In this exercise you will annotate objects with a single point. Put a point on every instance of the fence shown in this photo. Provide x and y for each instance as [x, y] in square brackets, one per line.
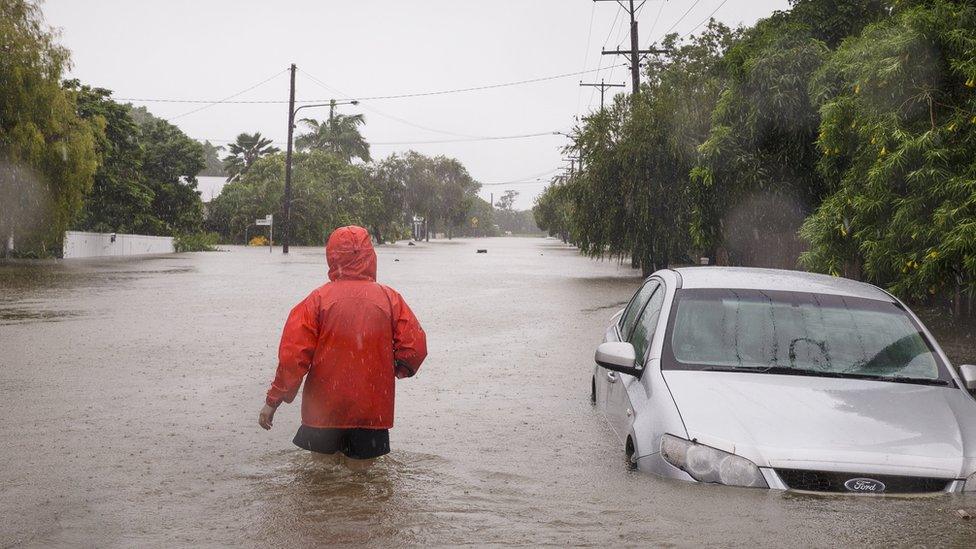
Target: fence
[79, 244]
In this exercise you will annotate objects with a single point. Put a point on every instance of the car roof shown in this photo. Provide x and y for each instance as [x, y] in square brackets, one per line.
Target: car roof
[777, 279]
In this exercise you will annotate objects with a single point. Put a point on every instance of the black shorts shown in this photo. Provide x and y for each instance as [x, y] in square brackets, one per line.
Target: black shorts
[354, 443]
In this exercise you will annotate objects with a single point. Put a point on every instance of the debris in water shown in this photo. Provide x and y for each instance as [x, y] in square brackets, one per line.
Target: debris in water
[411, 243]
[482, 251]
[963, 514]
[396, 259]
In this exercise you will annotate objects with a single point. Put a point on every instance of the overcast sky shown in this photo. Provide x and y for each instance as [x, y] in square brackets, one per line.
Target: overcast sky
[210, 49]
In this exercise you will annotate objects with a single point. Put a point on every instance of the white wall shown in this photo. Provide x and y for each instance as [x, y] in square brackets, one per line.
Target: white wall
[79, 244]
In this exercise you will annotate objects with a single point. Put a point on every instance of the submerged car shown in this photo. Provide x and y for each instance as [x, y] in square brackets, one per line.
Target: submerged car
[785, 380]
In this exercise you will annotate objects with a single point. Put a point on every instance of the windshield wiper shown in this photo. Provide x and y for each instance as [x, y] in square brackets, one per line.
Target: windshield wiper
[784, 370]
[915, 380]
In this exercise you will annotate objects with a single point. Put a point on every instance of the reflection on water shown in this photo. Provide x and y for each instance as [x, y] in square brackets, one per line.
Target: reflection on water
[131, 389]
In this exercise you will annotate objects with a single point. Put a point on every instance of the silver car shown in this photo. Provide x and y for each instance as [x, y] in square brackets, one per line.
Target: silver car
[785, 380]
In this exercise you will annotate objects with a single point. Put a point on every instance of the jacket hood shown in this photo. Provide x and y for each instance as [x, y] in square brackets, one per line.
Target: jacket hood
[350, 254]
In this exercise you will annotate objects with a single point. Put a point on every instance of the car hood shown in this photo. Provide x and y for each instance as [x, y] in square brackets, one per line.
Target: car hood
[830, 424]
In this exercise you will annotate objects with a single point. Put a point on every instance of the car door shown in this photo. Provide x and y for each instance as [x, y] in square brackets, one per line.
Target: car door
[603, 377]
[620, 409]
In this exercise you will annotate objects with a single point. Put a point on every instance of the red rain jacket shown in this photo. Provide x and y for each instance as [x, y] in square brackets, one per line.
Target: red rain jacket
[352, 337]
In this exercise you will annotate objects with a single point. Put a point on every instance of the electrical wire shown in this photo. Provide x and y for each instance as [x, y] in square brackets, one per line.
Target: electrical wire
[421, 142]
[229, 97]
[374, 110]
[613, 25]
[464, 140]
[706, 19]
[680, 19]
[589, 35]
[227, 100]
[523, 180]
[656, 19]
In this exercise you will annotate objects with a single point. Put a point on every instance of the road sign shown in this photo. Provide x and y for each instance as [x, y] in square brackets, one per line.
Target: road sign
[268, 221]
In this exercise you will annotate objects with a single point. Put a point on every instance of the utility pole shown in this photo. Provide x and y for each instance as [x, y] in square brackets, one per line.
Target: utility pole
[634, 52]
[286, 201]
[572, 163]
[603, 88]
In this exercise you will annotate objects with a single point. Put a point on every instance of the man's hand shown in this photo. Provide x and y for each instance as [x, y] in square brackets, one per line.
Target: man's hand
[266, 417]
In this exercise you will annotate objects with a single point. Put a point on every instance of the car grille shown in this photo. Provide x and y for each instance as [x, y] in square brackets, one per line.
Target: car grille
[823, 481]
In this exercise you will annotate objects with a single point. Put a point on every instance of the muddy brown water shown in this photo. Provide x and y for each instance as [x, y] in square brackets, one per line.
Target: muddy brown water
[131, 389]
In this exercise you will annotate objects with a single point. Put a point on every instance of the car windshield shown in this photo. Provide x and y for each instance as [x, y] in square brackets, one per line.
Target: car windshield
[799, 333]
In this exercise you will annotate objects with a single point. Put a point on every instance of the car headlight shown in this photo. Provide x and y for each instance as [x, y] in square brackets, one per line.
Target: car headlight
[707, 464]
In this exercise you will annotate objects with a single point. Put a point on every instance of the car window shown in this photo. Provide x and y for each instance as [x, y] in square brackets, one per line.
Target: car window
[636, 305]
[813, 333]
[645, 327]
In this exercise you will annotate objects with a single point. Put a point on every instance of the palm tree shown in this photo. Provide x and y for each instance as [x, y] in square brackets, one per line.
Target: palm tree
[246, 151]
[339, 134]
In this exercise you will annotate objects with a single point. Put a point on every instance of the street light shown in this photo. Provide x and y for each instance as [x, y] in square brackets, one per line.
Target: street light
[291, 130]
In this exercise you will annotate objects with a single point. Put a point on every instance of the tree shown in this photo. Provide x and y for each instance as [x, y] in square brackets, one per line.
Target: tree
[553, 209]
[171, 162]
[455, 192]
[897, 140]
[631, 198]
[214, 166]
[47, 151]
[146, 179]
[339, 134]
[757, 178]
[119, 200]
[245, 151]
[385, 202]
[327, 193]
[507, 200]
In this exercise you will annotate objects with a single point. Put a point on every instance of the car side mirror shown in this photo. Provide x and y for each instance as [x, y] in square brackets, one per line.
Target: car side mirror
[618, 356]
[968, 374]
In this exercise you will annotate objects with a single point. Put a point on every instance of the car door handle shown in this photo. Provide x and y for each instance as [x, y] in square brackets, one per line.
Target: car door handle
[612, 377]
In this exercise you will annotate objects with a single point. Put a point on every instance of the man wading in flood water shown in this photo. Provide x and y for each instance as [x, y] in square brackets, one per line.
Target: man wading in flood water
[353, 338]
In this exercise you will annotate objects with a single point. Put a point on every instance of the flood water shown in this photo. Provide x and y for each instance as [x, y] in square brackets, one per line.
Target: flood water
[131, 390]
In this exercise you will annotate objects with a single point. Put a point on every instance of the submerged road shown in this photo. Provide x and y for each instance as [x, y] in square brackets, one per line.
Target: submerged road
[130, 391]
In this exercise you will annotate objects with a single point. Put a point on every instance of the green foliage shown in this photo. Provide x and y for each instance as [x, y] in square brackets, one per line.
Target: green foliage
[211, 156]
[329, 192]
[757, 176]
[553, 210]
[171, 162]
[196, 242]
[119, 200]
[439, 190]
[245, 151]
[631, 200]
[898, 138]
[339, 135]
[47, 151]
[145, 183]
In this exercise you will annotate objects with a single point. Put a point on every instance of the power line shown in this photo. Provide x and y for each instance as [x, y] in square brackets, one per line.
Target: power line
[227, 100]
[421, 142]
[523, 180]
[586, 52]
[229, 97]
[656, 19]
[706, 19]
[387, 115]
[680, 19]
[634, 53]
[465, 140]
